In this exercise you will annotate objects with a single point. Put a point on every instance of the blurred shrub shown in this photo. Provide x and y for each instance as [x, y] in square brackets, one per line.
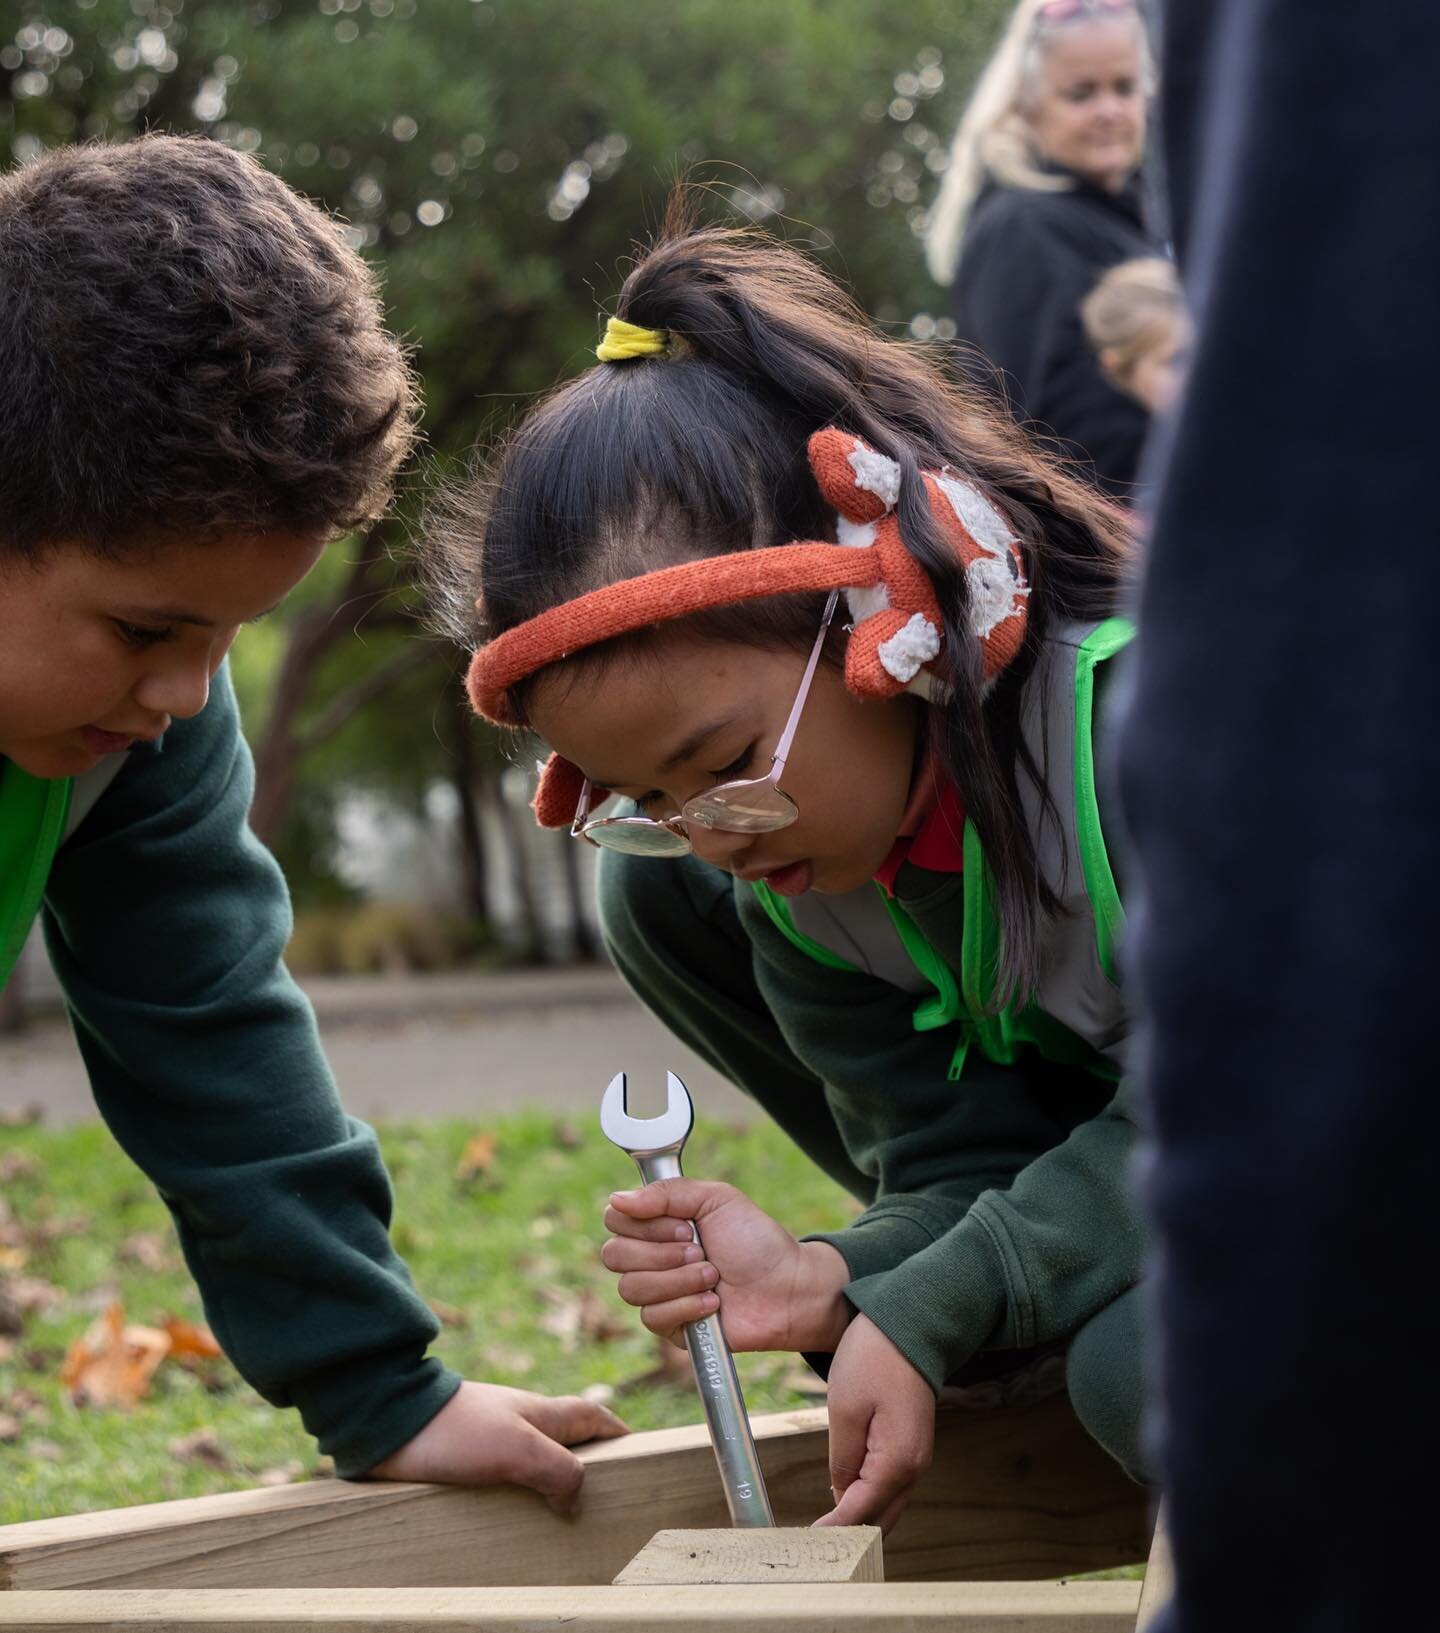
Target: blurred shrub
[376, 938]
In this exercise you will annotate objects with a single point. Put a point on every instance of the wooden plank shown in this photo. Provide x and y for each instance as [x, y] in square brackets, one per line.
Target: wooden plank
[1159, 1585]
[833, 1553]
[1014, 1493]
[970, 1607]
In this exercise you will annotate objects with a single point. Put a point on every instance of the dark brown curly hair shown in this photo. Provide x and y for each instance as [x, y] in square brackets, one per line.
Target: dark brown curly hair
[186, 346]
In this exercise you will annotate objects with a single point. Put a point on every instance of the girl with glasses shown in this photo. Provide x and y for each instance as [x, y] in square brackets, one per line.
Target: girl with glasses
[820, 643]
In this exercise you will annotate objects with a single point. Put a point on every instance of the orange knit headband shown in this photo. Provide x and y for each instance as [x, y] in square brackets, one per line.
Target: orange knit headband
[898, 629]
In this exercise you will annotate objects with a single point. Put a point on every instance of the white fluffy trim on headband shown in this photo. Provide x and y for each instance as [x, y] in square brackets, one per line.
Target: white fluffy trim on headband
[909, 648]
[877, 473]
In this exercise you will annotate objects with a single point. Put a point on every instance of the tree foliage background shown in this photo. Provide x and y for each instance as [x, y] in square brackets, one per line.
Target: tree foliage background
[497, 160]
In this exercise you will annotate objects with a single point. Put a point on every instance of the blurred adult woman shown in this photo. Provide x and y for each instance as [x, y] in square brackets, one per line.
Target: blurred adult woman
[1042, 195]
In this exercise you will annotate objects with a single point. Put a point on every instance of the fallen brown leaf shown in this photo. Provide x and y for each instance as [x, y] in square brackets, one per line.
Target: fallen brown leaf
[36, 1235]
[599, 1319]
[22, 1296]
[562, 1319]
[13, 1258]
[203, 1446]
[477, 1161]
[18, 1165]
[189, 1339]
[7, 1349]
[447, 1314]
[31, 1294]
[10, 1428]
[25, 1116]
[151, 1249]
[112, 1365]
[504, 1359]
[672, 1369]
[566, 1135]
[286, 1475]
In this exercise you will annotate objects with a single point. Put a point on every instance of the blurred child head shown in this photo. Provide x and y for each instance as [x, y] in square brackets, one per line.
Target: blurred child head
[198, 393]
[641, 464]
[1135, 319]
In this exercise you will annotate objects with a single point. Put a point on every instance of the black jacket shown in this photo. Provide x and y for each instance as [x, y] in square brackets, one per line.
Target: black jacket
[1281, 769]
[1028, 260]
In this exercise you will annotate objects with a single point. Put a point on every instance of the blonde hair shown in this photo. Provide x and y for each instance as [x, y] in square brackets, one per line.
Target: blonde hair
[993, 138]
[1133, 307]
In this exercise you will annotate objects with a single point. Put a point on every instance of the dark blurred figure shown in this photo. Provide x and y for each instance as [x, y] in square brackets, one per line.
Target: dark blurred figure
[1042, 195]
[1281, 770]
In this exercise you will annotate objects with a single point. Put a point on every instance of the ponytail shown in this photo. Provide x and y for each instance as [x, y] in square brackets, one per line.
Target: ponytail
[656, 459]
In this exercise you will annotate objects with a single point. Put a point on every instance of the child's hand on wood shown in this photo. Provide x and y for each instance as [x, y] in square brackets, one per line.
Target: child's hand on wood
[882, 1428]
[486, 1434]
[772, 1291]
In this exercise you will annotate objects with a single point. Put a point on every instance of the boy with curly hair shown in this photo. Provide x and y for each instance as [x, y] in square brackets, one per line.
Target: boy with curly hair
[197, 393]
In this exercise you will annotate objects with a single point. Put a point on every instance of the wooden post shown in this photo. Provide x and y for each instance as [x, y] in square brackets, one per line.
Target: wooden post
[832, 1553]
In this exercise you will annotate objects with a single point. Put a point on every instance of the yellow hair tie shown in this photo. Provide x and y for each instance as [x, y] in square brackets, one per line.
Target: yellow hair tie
[623, 340]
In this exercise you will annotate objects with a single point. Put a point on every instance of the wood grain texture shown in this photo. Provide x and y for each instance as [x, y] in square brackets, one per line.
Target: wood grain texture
[770, 1554]
[1014, 1493]
[956, 1607]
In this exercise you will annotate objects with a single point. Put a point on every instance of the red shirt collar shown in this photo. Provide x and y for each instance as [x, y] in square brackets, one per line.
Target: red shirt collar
[932, 829]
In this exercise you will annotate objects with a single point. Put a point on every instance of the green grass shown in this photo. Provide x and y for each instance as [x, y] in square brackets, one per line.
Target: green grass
[511, 1253]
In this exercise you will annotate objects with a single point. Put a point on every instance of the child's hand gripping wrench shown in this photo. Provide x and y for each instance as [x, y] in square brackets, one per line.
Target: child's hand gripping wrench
[655, 1144]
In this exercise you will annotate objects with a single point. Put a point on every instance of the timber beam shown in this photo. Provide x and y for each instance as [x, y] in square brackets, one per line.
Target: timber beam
[1014, 1493]
[977, 1607]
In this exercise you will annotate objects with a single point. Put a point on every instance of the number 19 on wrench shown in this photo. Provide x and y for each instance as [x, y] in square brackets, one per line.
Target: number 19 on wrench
[655, 1143]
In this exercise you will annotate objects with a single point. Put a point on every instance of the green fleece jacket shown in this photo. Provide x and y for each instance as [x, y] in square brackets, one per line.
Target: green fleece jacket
[998, 1213]
[166, 921]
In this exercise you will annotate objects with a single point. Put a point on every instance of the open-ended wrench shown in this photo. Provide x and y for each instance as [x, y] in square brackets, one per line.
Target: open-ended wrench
[655, 1144]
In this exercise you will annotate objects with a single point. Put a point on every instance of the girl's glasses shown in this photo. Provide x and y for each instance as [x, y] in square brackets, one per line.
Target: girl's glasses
[755, 805]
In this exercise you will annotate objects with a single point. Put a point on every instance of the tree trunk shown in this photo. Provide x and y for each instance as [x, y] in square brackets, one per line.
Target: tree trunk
[583, 942]
[465, 778]
[533, 949]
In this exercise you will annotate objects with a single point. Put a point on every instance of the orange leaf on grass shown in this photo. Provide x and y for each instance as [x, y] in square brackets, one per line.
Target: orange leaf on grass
[189, 1338]
[476, 1160]
[112, 1365]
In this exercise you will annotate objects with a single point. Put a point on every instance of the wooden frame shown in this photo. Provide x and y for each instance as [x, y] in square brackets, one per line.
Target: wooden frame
[976, 1607]
[1015, 1493]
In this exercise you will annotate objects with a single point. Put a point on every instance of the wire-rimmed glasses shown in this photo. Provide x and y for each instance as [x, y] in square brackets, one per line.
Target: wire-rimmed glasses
[751, 805]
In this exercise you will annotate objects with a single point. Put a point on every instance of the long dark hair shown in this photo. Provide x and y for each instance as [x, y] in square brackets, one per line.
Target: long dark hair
[639, 464]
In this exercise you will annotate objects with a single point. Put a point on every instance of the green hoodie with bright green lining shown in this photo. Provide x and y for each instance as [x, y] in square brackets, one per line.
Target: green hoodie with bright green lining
[999, 1210]
[166, 922]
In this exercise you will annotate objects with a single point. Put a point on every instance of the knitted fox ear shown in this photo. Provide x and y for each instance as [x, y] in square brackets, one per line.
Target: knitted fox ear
[557, 796]
[861, 484]
[896, 623]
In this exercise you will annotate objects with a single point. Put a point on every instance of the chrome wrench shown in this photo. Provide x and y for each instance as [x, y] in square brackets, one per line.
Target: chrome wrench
[655, 1143]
